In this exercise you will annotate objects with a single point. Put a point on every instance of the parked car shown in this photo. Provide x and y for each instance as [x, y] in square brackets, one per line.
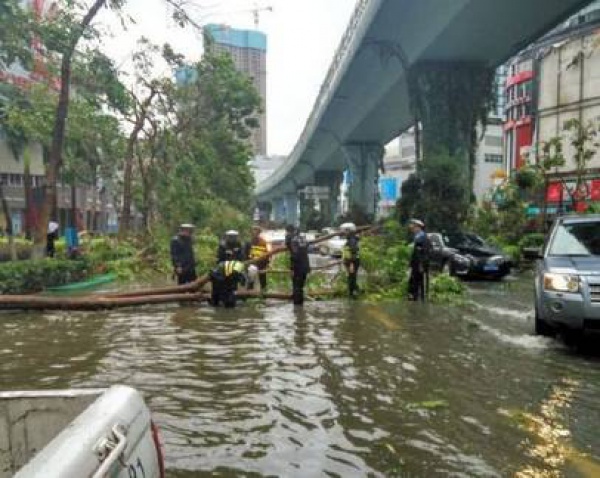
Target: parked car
[274, 238]
[465, 254]
[567, 279]
[332, 247]
[310, 237]
[73, 433]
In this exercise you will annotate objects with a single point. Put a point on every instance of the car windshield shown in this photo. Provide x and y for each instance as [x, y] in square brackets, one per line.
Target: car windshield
[463, 239]
[576, 239]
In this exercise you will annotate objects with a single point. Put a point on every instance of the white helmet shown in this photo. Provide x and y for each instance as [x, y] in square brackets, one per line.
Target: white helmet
[232, 232]
[348, 227]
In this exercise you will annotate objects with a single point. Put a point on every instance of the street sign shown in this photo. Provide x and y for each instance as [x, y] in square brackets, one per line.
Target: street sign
[316, 192]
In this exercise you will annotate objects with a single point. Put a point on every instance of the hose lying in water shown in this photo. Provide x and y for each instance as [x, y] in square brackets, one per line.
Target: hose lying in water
[28, 302]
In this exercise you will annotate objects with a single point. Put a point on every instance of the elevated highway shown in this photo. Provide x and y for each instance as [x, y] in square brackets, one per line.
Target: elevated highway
[364, 101]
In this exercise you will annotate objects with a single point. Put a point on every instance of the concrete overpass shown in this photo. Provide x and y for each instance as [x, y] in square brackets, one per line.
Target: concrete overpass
[364, 100]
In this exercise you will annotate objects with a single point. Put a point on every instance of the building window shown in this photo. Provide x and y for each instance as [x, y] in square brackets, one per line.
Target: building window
[493, 158]
[408, 151]
[494, 141]
[15, 180]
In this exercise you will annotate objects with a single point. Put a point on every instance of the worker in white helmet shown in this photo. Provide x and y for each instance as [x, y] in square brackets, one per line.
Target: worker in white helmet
[419, 261]
[182, 255]
[230, 247]
[351, 256]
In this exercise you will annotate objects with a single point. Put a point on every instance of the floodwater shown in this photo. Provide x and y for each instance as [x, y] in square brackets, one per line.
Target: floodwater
[339, 388]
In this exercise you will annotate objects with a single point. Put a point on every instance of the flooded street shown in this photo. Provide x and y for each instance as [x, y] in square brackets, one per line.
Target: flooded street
[335, 389]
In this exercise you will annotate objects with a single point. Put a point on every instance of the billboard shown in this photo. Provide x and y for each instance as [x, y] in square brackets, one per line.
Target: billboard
[388, 189]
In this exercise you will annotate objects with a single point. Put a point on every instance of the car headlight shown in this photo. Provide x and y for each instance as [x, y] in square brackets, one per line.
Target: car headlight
[463, 260]
[561, 282]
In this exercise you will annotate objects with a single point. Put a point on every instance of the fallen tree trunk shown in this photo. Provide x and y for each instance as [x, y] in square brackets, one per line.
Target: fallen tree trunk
[312, 269]
[28, 302]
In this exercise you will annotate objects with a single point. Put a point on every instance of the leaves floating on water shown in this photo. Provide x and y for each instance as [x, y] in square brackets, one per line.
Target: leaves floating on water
[390, 448]
[429, 404]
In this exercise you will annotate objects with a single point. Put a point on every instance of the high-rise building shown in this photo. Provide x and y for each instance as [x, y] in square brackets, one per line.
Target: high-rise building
[526, 81]
[554, 80]
[95, 209]
[248, 48]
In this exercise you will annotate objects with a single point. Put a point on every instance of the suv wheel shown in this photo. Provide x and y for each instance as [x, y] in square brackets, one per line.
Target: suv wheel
[541, 326]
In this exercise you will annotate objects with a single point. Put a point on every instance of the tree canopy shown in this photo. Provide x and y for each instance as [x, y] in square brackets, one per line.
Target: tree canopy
[172, 152]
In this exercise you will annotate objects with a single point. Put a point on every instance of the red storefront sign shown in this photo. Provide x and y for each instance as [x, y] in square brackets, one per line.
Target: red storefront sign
[595, 192]
[519, 78]
[524, 139]
[554, 193]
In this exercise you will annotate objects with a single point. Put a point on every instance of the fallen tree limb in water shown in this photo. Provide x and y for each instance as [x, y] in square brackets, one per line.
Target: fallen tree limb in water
[28, 302]
[312, 269]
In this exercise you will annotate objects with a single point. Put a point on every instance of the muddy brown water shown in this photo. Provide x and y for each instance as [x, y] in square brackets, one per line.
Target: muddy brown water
[339, 388]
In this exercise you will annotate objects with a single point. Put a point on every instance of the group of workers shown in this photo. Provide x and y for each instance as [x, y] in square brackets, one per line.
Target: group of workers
[246, 264]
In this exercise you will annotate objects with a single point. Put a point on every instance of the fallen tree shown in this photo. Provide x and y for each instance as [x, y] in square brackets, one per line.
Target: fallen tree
[192, 292]
[199, 283]
[28, 302]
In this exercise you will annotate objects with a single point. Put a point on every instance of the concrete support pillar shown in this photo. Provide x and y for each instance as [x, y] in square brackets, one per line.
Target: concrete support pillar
[265, 211]
[449, 97]
[278, 210]
[291, 208]
[330, 206]
[364, 160]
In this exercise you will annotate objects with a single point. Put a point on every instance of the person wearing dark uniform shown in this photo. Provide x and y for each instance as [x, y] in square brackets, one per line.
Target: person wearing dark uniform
[256, 248]
[230, 248]
[299, 263]
[51, 238]
[419, 261]
[224, 280]
[182, 255]
[351, 256]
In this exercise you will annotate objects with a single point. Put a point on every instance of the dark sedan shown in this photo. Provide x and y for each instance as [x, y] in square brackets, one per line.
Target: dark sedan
[466, 254]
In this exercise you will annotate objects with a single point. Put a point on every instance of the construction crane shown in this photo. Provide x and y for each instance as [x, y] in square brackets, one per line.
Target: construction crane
[256, 13]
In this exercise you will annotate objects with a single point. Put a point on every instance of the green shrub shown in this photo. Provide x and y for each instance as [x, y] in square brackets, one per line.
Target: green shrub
[35, 275]
[446, 289]
[514, 252]
[532, 240]
[23, 247]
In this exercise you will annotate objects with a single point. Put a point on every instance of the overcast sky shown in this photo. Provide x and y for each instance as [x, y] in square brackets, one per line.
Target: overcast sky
[302, 37]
